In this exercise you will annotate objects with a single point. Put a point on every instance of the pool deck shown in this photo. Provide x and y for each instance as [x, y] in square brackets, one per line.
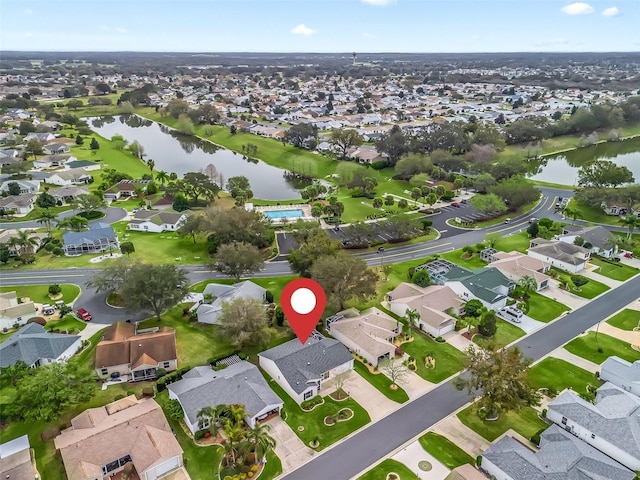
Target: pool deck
[306, 212]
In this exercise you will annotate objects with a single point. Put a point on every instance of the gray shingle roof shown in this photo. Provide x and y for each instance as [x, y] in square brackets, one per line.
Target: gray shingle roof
[240, 383]
[31, 343]
[303, 363]
[615, 417]
[561, 457]
[97, 231]
[621, 368]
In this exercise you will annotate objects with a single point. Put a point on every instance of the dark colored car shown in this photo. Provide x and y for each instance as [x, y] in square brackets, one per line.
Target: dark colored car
[455, 204]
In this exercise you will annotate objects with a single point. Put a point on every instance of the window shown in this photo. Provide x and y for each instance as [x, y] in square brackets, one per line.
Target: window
[104, 371]
[564, 420]
[308, 394]
[325, 375]
[593, 435]
[166, 365]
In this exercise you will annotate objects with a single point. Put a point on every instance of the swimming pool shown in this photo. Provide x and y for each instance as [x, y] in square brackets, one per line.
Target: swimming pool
[283, 213]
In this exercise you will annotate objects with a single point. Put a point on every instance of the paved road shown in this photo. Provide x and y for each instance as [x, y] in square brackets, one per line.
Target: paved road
[112, 215]
[363, 449]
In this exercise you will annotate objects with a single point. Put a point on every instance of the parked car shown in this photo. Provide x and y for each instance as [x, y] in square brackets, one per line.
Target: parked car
[507, 220]
[533, 219]
[616, 259]
[455, 204]
[84, 315]
[464, 200]
[48, 309]
[628, 255]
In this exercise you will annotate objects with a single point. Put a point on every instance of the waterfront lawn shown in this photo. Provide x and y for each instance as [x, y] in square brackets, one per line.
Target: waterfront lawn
[593, 214]
[616, 271]
[40, 293]
[506, 333]
[444, 450]
[524, 421]
[598, 348]
[384, 468]
[448, 359]
[381, 382]
[627, 319]
[556, 374]
[544, 309]
[312, 422]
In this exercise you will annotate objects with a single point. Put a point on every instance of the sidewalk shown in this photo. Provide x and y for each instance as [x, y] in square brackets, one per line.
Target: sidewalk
[461, 435]
[289, 448]
[91, 329]
[567, 356]
[592, 272]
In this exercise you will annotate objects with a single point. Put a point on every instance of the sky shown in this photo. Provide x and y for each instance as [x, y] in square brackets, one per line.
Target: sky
[320, 25]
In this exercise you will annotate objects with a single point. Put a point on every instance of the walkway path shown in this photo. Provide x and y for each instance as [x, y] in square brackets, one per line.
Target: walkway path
[461, 435]
[456, 340]
[592, 272]
[624, 335]
[289, 448]
[567, 356]
[91, 329]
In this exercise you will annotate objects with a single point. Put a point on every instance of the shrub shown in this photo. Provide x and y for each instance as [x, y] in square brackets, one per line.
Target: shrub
[600, 350]
[535, 438]
[58, 251]
[160, 372]
[245, 469]
[251, 460]
[421, 278]
[49, 247]
[118, 397]
[544, 413]
[199, 435]
[411, 271]
[250, 474]
[440, 340]
[479, 460]
[254, 468]
[379, 165]
[269, 296]
[579, 280]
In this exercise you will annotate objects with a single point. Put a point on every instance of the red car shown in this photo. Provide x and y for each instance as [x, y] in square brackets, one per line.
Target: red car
[84, 315]
[628, 255]
[455, 204]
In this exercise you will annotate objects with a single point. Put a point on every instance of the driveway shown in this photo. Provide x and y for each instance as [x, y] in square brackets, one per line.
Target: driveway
[592, 272]
[289, 448]
[413, 454]
[461, 435]
[526, 323]
[583, 363]
[567, 298]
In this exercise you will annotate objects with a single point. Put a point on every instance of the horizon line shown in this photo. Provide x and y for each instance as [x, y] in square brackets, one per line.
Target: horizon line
[346, 52]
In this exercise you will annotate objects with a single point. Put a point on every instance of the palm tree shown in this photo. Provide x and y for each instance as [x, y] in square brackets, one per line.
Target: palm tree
[573, 213]
[162, 177]
[411, 316]
[46, 218]
[75, 223]
[631, 221]
[151, 164]
[260, 437]
[24, 244]
[528, 284]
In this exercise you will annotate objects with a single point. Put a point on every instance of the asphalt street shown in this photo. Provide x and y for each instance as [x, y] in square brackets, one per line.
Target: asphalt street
[112, 215]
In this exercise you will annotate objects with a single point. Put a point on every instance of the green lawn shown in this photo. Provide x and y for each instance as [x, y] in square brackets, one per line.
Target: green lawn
[592, 289]
[449, 360]
[312, 422]
[593, 214]
[445, 451]
[616, 271]
[40, 293]
[505, 334]
[380, 471]
[524, 421]
[627, 319]
[34, 214]
[588, 346]
[69, 322]
[273, 467]
[518, 242]
[544, 309]
[381, 382]
[456, 257]
[556, 374]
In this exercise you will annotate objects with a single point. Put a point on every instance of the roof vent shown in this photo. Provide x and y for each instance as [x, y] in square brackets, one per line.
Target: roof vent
[139, 344]
[308, 363]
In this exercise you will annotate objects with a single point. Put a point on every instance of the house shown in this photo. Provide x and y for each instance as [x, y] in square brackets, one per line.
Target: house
[73, 176]
[102, 440]
[123, 351]
[561, 456]
[434, 305]
[515, 265]
[613, 208]
[210, 312]
[98, 238]
[300, 368]
[488, 284]
[18, 204]
[155, 221]
[125, 188]
[562, 255]
[622, 374]
[53, 161]
[7, 235]
[67, 193]
[370, 334]
[56, 149]
[612, 425]
[26, 186]
[596, 239]
[35, 346]
[12, 312]
[15, 460]
[87, 165]
[238, 384]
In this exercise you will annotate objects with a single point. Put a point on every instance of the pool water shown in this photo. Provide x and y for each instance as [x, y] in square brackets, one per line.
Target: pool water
[283, 214]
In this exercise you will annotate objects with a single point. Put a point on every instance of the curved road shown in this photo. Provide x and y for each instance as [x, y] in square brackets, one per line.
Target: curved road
[112, 215]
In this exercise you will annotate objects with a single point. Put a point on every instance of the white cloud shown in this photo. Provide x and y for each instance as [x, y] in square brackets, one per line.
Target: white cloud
[578, 8]
[120, 30]
[380, 3]
[611, 12]
[302, 29]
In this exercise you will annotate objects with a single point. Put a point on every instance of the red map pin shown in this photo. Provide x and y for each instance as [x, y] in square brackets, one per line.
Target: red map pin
[303, 301]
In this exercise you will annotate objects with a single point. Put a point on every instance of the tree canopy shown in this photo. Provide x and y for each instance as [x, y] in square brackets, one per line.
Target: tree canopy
[243, 323]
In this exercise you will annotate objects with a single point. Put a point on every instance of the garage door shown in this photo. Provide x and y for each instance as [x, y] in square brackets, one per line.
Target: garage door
[163, 468]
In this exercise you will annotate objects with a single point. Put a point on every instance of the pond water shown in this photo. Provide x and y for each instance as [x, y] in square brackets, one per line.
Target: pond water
[563, 168]
[174, 152]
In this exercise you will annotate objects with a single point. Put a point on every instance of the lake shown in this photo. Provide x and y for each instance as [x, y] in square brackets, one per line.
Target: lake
[174, 152]
[563, 168]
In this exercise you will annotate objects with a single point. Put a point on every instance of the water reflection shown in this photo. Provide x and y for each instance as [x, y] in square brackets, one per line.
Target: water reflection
[175, 152]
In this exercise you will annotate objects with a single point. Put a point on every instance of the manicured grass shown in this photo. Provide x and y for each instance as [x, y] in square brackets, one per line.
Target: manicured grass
[592, 214]
[445, 451]
[590, 290]
[273, 467]
[616, 271]
[381, 382]
[524, 421]
[505, 334]
[201, 462]
[627, 319]
[34, 214]
[68, 323]
[313, 421]
[449, 360]
[517, 241]
[40, 293]
[459, 258]
[587, 347]
[556, 374]
[380, 471]
[544, 309]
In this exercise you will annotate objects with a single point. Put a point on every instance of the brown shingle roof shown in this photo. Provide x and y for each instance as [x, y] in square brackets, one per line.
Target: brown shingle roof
[127, 348]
